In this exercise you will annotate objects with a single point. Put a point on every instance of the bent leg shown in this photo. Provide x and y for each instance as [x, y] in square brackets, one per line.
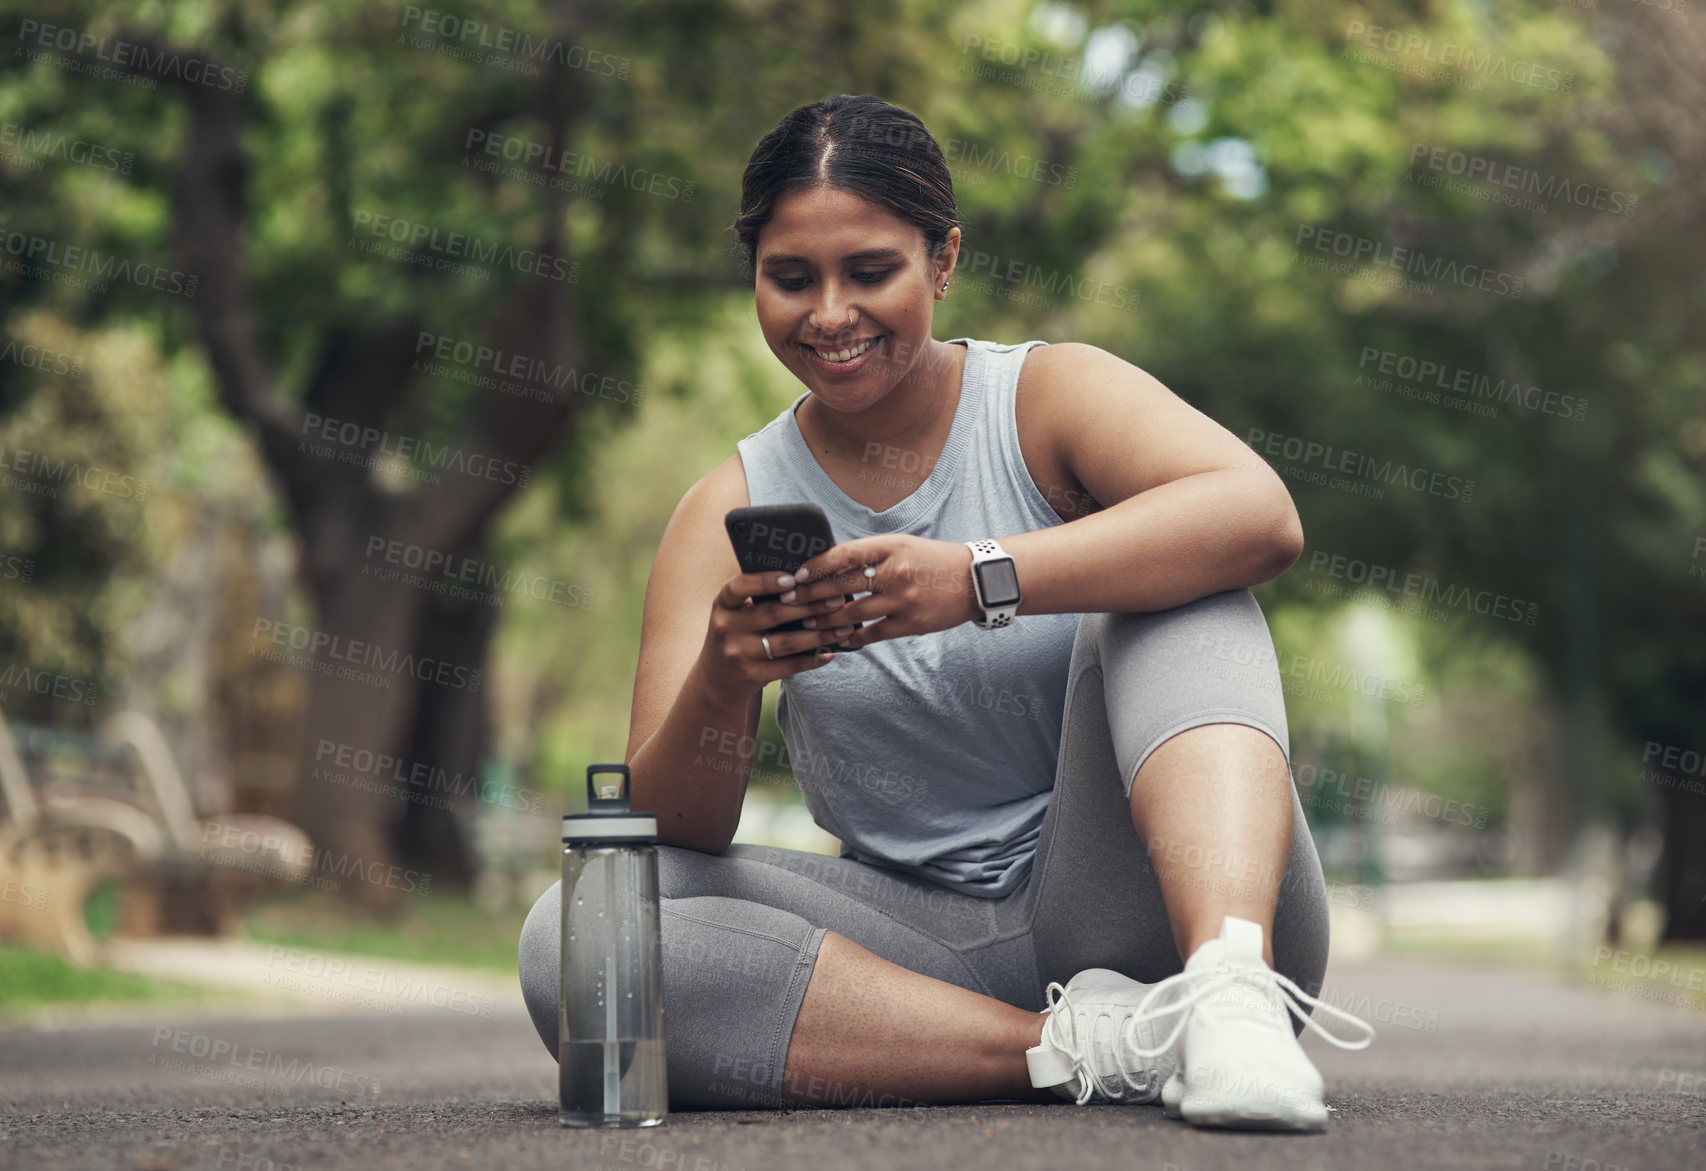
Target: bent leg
[775, 991]
[795, 977]
[873, 1033]
[1186, 703]
[1219, 828]
[734, 974]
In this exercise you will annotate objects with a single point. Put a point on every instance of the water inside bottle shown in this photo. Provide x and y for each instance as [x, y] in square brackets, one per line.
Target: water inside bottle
[612, 1083]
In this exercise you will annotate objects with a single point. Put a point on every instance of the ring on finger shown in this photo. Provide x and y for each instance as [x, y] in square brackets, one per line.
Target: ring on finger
[765, 639]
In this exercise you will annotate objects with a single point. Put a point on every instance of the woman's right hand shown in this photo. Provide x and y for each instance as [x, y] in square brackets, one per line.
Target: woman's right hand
[733, 658]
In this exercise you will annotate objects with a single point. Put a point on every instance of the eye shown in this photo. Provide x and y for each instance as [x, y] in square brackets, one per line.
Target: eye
[872, 276]
[792, 284]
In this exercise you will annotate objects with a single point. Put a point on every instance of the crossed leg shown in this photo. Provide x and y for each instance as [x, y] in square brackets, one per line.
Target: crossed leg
[915, 992]
[873, 1024]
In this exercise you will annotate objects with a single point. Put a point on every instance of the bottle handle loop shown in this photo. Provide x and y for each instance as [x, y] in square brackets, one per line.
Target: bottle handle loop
[608, 796]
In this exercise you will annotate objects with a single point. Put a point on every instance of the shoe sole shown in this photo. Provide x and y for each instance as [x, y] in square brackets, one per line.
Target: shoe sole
[1249, 1116]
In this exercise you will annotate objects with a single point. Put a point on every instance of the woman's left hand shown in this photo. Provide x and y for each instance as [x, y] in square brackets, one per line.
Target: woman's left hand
[915, 585]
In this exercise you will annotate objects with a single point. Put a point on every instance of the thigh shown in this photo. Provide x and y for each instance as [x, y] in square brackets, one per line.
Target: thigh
[741, 932]
[1136, 680]
[907, 920]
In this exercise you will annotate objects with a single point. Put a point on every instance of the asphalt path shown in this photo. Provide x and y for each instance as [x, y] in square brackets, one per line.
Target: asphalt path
[1474, 1067]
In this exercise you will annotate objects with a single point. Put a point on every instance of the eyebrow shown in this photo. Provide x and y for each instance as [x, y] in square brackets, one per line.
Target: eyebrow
[867, 254]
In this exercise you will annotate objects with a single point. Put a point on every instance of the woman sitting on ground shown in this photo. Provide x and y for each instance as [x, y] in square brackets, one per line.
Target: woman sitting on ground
[1047, 797]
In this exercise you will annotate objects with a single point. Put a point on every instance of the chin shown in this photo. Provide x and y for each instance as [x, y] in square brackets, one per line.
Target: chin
[846, 400]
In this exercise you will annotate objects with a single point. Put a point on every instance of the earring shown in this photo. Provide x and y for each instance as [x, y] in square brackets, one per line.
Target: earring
[945, 286]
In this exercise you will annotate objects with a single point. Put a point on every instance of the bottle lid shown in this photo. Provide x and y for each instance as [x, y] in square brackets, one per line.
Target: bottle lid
[607, 818]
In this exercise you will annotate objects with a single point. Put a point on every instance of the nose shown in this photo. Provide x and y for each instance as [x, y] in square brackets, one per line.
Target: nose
[833, 314]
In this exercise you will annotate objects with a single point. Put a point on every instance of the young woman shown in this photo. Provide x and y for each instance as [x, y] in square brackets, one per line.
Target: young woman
[1047, 803]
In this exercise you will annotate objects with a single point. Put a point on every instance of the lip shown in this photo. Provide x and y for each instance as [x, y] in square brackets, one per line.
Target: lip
[842, 368]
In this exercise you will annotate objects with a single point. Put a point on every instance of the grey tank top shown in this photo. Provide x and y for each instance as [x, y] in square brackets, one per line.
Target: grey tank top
[932, 754]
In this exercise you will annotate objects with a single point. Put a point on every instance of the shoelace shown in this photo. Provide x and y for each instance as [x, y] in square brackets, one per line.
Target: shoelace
[1060, 1031]
[1265, 980]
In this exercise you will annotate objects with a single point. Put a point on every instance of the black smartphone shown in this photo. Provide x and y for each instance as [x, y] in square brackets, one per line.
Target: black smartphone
[779, 538]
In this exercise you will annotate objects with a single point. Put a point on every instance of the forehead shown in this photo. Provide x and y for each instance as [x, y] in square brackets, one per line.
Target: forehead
[828, 222]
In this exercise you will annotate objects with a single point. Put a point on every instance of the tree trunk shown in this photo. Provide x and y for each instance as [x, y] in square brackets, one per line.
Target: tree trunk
[342, 800]
[366, 377]
[1682, 873]
[451, 730]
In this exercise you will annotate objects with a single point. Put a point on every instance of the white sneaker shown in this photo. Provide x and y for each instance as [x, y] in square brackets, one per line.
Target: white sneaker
[1238, 1062]
[1085, 1050]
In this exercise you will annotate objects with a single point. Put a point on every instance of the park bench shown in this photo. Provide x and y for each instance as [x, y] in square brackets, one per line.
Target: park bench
[113, 807]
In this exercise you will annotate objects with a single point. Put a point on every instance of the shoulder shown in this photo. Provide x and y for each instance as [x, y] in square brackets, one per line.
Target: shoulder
[725, 486]
[1063, 383]
[1075, 378]
[718, 490]
[1066, 363]
[694, 546]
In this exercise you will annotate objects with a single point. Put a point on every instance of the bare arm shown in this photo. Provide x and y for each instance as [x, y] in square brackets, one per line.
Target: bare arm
[1190, 509]
[699, 685]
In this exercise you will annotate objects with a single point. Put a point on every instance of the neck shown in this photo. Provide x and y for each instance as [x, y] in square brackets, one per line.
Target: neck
[908, 414]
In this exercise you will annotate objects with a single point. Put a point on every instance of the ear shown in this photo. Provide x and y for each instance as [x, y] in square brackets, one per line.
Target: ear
[946, 260]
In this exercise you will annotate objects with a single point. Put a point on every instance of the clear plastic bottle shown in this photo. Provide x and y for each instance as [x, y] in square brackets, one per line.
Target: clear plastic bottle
[610, 1047]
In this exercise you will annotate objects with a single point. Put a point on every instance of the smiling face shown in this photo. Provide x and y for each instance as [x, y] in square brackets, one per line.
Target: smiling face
[846, 294]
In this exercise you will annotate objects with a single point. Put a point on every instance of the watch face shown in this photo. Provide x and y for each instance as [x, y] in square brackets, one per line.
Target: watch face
[998, 583]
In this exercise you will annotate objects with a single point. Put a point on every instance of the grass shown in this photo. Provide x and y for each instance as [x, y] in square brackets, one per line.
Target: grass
[1468, 948]
[432, 929]
[1672, 974]
[33, 979]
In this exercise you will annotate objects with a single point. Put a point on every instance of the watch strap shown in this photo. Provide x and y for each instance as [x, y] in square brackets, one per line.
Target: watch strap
[994, 617]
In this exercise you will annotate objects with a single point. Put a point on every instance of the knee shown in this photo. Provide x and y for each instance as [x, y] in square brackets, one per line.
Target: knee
[540, 957]
[540, 950]
[1225, 631]
[1231, 611]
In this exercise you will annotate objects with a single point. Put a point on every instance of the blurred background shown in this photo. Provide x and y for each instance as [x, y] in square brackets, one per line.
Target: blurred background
[354, 355]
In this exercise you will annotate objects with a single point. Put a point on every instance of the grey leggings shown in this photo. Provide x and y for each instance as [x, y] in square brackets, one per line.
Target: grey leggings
[741, 929]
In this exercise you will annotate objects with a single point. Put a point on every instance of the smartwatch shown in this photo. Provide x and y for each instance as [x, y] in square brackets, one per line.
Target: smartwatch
[996, 583]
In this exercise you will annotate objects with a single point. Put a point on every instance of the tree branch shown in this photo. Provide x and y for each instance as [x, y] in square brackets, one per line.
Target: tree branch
[209, 212]
[539, 322]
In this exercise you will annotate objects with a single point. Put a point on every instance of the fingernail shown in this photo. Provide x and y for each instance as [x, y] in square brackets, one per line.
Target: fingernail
[844, 630]
[835, 603]
[811, 623]
[785, 580]
[801, 573]
[789, 596]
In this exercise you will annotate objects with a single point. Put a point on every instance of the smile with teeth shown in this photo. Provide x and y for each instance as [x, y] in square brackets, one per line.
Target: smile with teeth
[846, 355]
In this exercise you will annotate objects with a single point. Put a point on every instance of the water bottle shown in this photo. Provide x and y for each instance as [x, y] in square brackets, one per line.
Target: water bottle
[610, 1001]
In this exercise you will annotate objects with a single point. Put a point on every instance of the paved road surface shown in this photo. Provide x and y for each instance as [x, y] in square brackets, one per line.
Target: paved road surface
[1474, 1068]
